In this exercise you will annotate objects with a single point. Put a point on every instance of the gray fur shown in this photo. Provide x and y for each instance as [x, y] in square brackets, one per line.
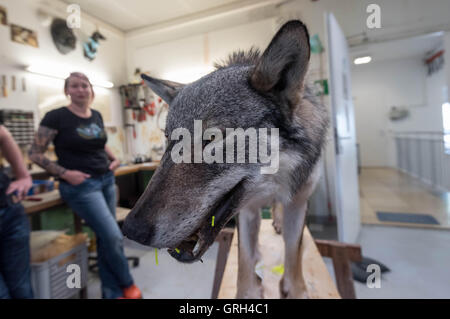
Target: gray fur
[247, 90]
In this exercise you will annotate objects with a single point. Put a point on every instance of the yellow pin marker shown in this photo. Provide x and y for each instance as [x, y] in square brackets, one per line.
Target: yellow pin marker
[278, 269]
[212, 222]
[177, 250]
[156, 255]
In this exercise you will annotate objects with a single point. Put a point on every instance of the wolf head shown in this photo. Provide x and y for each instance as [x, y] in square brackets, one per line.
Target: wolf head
[186, 205]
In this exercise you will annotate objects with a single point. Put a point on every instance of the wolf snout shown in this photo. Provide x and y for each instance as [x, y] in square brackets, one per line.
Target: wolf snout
[138, 230]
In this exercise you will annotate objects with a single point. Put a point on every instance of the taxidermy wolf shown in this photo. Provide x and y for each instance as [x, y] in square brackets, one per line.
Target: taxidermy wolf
[189, 201]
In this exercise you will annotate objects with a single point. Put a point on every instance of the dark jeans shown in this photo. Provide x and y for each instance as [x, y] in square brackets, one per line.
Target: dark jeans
[94, 200]
[15, 270]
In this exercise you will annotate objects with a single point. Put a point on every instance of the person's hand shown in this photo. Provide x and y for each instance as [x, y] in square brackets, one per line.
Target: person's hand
[21, 186]
[74, 177]
[114, 164]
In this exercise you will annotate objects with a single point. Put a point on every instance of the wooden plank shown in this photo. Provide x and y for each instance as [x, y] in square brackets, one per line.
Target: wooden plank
[319, 282]
[224, 239]
[343, 272]
[122, 213]
[326, 249]
[129, 169]
[342, 254]
[49, 200]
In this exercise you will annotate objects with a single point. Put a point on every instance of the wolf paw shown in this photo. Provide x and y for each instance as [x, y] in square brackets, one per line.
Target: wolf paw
[254, 291]
[292, 291]
[277, 226]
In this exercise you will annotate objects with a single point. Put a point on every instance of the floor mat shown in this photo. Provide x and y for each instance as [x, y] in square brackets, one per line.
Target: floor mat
[407, 218]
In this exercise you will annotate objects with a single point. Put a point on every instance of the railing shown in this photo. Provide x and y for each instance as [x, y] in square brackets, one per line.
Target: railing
[425, 155]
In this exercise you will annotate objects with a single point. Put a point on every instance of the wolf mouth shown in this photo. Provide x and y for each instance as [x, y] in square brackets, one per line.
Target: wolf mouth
[194, 246]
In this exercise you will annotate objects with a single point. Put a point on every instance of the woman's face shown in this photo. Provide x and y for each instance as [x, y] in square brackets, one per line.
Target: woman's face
[79, 90]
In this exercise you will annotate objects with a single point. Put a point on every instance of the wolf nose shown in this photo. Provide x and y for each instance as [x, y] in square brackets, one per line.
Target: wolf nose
[137, 230]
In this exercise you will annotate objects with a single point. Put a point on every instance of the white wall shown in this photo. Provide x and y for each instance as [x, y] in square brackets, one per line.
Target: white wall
[199, 51]
[109, 64]
[187, 59]
[399, 82]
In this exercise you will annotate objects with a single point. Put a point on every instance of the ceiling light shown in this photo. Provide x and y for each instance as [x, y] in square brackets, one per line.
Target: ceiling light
[60, 73]
[362, 60]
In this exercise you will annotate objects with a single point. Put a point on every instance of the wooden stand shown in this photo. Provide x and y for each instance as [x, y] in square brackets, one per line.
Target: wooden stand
[341, 254]
[318, 280]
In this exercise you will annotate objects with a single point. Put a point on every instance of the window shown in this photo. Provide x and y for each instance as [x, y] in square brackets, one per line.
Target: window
[446, 122]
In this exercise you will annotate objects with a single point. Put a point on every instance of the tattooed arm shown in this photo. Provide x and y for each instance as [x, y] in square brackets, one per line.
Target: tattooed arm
[42, 139]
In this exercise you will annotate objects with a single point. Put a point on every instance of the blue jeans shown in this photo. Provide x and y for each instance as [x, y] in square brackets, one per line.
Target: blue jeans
[94, 200]
[15, 270]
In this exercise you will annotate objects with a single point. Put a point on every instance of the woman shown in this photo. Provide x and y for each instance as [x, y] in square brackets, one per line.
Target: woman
[87, 184]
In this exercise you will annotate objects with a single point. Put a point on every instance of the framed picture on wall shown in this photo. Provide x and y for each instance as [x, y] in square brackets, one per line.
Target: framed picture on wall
[3, 16]
[24, 36]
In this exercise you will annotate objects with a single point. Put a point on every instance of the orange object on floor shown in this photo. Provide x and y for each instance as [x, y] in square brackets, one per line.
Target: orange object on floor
[132, 292]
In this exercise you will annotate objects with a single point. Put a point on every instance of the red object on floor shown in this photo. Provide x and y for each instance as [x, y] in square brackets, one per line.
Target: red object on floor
[132, 292]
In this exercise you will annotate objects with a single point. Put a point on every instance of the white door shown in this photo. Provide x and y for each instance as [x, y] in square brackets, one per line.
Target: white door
[341, 155]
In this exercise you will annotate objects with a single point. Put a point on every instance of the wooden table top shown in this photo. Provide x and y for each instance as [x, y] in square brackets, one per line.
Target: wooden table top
[136, 168]
[49, 200]
[53, 199]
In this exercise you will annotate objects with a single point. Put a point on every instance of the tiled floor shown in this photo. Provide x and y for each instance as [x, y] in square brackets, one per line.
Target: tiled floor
[168, 279]
[388, 190]
[418, 260]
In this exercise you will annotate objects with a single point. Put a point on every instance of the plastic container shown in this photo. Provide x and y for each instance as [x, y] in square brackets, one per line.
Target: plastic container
[41, 186]
[49, 278]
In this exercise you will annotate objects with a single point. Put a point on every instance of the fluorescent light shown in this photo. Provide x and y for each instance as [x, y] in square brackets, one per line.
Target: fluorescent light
[362, 60]
[101, 83]
[187, 75]
[61, 73]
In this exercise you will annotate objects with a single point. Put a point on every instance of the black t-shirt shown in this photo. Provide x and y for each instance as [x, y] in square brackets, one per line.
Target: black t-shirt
[80, 142]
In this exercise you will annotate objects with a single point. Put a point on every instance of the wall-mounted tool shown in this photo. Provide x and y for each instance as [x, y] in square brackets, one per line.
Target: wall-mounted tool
[90, 47]
[4, 86]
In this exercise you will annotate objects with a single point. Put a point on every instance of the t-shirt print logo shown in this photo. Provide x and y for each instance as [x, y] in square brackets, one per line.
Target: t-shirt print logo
[91, 131]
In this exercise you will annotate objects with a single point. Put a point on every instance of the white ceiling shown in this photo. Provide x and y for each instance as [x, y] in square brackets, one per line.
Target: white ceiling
[128, 15]
[400, 19]
[402, 48]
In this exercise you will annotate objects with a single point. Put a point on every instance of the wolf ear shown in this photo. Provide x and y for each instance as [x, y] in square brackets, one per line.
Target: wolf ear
[167, 90]
[282, 67]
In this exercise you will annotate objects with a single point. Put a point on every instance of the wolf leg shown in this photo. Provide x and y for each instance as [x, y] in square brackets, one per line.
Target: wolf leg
[293, 285]
[249, 285]
[277, 215]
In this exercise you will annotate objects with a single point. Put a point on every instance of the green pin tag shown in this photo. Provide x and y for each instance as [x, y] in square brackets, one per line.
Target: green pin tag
[212, 222]
[156, 255]
[177, 250]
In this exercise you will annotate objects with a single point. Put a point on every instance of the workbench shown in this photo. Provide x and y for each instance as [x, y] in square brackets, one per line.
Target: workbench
[52, 199]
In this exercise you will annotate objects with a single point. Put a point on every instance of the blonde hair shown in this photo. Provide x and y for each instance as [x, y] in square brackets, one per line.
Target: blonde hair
[80, 76]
